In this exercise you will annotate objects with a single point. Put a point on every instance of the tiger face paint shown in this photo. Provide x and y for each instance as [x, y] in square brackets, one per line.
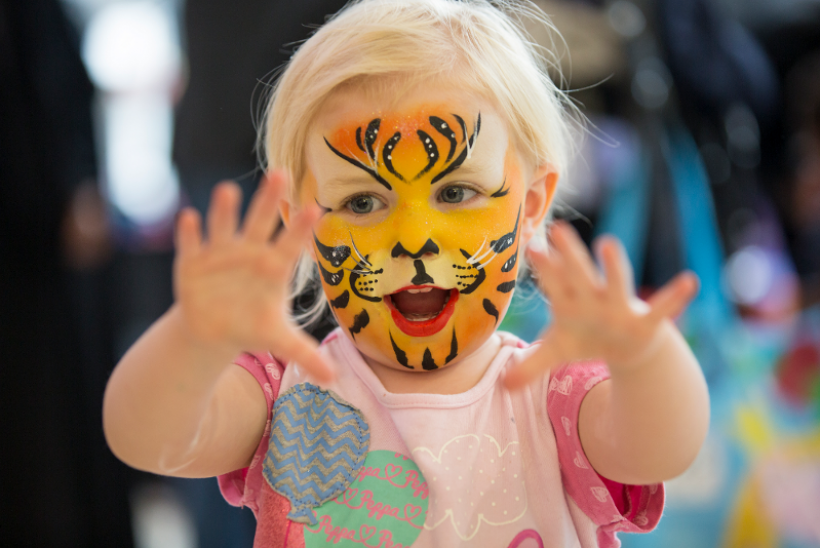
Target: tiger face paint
[418, 246]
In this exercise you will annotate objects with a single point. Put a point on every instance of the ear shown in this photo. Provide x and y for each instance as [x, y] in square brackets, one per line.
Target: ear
[538, 198]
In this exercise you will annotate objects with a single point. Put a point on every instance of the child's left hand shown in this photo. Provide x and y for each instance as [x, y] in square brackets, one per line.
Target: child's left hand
[596, 315]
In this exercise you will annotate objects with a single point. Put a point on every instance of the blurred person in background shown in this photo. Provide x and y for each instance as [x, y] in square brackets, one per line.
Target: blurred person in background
[60, 485]
[804, 121]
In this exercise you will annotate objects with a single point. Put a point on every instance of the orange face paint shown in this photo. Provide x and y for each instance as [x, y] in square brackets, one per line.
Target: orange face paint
[419, 258]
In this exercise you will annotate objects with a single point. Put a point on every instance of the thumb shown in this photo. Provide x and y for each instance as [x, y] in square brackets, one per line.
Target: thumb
[537, 364]
[296, 346]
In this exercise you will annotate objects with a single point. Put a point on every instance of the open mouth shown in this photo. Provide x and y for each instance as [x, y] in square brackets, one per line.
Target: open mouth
[421, 311]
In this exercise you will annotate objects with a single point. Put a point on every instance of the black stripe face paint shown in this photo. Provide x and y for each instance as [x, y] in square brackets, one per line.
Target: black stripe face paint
[510, 263]
[427, 362]
[453, 348]
[359, 139]
[490, 308]
[331, 278]
[401, 355]
[334, 255]
[360, 321]
[370, 137]
[432, 152]
[506, 287]
[387, 155]
[508, 239]
[465, 151]
[444, 128]
[341, 301]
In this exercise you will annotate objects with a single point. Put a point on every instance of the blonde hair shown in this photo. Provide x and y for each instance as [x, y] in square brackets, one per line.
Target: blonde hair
[477, 45]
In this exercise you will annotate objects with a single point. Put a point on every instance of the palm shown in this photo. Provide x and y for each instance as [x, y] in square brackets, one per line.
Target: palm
[596, 315]
[233, 289]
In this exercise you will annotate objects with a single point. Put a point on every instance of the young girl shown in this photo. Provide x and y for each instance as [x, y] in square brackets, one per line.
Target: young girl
[420, 143]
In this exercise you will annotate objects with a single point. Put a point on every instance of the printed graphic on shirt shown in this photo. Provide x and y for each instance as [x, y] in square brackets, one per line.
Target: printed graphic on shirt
[475, 482]
[384, 506]
[528, 538]
[317, 448]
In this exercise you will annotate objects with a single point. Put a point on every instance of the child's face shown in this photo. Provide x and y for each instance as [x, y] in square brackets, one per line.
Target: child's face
[419, 244]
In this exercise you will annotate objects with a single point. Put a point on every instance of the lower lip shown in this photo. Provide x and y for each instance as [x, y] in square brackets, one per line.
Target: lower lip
[427, 327]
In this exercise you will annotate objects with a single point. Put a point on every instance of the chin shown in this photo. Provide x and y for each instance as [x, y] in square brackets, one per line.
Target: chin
[415, 339]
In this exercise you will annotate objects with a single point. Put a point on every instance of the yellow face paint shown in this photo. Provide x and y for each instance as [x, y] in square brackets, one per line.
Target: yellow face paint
[419, 243]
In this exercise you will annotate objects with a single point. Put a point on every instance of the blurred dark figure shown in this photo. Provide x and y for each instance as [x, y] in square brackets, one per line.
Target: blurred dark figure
[803, 100]
[233, 50]
[715, 61]
[730, 99]
[60, 486]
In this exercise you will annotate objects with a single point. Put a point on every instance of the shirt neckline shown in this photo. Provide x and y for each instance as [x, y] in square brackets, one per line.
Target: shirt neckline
[350, 354]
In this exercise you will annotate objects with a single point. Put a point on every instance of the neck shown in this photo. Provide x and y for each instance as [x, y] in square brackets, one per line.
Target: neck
[459, 376]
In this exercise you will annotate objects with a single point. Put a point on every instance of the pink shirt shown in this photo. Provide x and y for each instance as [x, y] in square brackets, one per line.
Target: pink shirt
[485, 468]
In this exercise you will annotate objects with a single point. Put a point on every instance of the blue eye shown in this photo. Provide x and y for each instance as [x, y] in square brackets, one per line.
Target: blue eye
[456, 194]
[364, 203]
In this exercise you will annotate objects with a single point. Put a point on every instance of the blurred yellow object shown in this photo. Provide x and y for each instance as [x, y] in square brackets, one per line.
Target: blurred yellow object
[749, 525]
[754, 431]
[773, 501]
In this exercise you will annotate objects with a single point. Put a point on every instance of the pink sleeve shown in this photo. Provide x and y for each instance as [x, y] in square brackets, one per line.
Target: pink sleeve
[612, 506]
[241, 487]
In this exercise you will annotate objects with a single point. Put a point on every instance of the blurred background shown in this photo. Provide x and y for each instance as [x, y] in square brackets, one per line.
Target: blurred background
[702, 151]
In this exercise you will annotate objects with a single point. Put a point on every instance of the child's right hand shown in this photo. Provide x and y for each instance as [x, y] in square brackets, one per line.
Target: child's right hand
[233, 289]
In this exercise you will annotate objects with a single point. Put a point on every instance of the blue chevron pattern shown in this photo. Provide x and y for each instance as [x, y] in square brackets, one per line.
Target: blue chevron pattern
[317, 446]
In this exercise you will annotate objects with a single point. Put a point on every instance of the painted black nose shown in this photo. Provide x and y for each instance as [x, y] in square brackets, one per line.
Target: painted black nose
[421, 277]
[428, 247]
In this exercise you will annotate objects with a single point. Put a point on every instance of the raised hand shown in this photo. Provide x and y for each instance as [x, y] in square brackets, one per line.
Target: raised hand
[233, 287]
[595, 314]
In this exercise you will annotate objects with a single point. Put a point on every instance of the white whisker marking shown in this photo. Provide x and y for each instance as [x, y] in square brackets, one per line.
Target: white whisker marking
[479, 267]
[472, 259]
[356, 249]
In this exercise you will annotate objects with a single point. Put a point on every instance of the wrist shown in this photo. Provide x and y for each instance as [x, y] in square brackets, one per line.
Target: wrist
[644, 354]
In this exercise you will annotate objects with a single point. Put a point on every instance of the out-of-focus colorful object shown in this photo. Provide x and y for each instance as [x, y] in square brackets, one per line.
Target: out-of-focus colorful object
[133, 55]
[778, 500]
[798, 375]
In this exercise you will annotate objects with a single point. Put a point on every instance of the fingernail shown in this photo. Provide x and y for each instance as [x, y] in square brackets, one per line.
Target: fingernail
[555, 230]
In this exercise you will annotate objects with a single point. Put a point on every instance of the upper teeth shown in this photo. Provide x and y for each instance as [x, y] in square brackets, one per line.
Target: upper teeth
[420, 317]
[421, 290]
